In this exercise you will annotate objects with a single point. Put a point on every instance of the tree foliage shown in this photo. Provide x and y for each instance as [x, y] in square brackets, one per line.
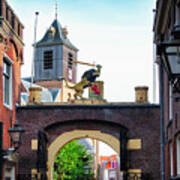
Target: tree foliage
[71, 163]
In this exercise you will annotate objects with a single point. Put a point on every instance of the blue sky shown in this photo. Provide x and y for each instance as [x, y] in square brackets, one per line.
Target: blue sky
[114, 33]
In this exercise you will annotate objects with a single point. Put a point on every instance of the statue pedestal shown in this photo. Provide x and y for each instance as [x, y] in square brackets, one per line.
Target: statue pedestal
[72, 102]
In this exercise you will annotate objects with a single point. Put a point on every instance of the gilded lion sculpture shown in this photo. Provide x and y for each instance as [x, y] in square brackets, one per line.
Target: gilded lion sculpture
[87, 80]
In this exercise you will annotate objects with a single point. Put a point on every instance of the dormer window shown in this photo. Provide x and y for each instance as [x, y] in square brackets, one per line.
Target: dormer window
[51, 32]
[48, 59]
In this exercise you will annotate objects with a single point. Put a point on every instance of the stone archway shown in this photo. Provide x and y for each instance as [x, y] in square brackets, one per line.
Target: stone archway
[63, 139]
[135, 127]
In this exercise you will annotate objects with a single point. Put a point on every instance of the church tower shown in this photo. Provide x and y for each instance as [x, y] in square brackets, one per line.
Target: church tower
[54, 55]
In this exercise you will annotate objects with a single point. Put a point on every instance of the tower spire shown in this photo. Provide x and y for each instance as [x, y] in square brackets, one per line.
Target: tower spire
[56, 8]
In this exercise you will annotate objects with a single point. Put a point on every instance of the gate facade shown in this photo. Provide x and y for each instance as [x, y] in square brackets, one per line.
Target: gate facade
[131, 130]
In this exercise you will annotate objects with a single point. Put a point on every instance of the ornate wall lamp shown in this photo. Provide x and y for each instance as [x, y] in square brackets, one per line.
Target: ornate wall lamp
[171, 51]
[16, 135]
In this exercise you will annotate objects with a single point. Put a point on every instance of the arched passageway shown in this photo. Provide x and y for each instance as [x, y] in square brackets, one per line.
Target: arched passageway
[65, 138]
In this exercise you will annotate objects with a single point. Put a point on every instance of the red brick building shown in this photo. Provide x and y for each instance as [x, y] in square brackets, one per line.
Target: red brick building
[11, 59]
[166, 27]
[43, 124]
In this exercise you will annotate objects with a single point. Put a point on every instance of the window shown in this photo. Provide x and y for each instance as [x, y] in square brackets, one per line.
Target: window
[70, 74]
[171, 158]
[177, 15]
[12, 20]
[7, 82]
[70, 59]
[48, 59]
[9, 172]
[51, 32]
[170, 102]
[19, 29]
[70, 63]
[178, 153]
[169, 18]
[7, 13]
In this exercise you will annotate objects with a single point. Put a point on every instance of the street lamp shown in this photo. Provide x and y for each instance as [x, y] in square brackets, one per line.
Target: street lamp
[171, 50]
[16, 135]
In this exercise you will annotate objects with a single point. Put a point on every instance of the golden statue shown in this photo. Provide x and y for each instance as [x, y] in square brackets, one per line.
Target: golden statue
[87, 80]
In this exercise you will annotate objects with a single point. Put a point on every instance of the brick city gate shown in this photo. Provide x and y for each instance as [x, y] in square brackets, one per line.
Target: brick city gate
[131, 130]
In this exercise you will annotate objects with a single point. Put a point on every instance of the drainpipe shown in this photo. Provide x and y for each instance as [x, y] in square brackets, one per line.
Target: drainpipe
[162, 136]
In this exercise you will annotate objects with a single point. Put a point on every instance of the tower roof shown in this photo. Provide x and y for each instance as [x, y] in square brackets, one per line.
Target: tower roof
[55, 35]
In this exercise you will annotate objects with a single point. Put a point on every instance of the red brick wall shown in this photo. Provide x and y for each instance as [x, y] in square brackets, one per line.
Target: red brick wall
[172, 129]
[141, 121]
[8, 115]
[163, 27]
[14, 50]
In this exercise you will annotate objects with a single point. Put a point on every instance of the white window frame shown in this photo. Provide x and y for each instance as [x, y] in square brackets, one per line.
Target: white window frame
[10, 62]
[171, 158]
[177, 15]
[178, 153]
[170, 101]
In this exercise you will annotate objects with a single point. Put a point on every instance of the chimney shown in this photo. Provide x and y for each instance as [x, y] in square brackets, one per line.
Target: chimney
[141, 94]
[35, 94]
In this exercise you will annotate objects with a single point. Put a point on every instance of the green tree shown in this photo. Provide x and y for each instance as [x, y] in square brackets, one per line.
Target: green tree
[71, 163]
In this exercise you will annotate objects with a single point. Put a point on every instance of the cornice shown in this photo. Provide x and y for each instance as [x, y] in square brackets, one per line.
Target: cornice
[17, 37]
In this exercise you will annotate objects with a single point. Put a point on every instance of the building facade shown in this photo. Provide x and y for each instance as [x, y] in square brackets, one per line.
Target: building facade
[48, 127]
[11, 59]
[166, 27]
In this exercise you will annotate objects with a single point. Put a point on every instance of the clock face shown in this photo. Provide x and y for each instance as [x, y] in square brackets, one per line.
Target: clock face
[70, 74]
